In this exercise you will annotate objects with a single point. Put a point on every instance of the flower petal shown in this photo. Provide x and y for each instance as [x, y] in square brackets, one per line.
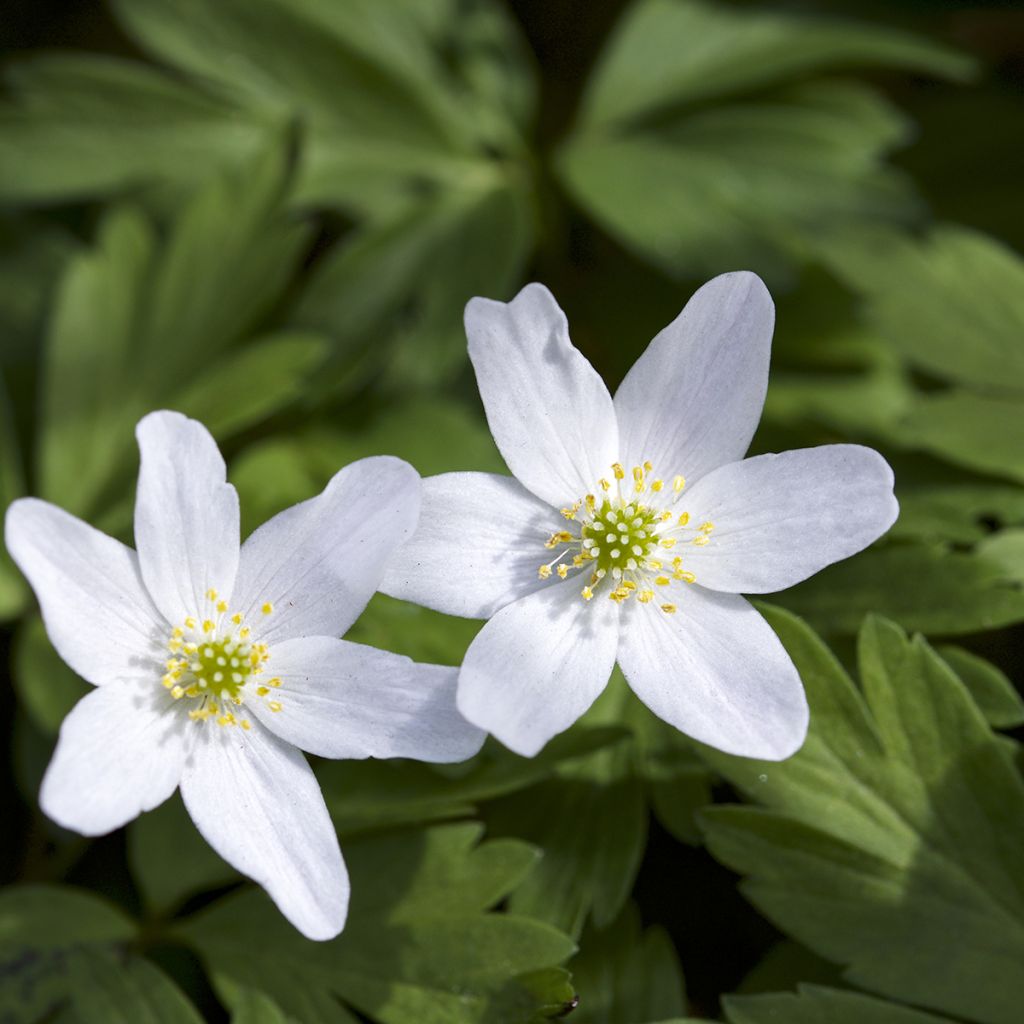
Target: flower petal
[538, 665]
[549, 411]
[97, 611]
[258, 804]
[692, 401]
[339, 699]
[781, 518]
[319, 562]
[716, 671]
[478, 546]
[186, 516]
[121, 751]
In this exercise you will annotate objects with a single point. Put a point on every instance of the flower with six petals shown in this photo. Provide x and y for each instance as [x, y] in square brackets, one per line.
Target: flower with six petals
[632, 526]
[216, 663]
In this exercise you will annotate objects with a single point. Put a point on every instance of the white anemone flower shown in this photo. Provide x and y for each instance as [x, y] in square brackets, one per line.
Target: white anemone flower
[632, 526]
[215, 664]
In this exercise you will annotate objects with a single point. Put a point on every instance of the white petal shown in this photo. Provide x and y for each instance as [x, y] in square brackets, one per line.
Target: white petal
[539, 664]
[256, 802]
[781, 518]
[186, 516]
[121, 751]
[549, 411]
[478, 546]
[716, 671]
[97, 612]
[692, 401]
[340, 699]
[319, 562]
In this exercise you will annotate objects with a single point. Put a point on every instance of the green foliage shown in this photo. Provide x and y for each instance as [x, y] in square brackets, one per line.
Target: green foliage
[814, 1005]
[709, 110]
[419, 945]
[897, 825]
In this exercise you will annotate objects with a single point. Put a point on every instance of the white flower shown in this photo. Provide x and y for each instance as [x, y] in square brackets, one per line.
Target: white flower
[632, 526]
[214, 663]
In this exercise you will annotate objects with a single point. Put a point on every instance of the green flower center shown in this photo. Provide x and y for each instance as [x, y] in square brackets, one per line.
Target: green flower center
[621, 536]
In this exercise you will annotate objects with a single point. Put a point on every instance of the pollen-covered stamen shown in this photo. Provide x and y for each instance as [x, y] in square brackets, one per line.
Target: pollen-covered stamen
[215, 662]
[629, 534]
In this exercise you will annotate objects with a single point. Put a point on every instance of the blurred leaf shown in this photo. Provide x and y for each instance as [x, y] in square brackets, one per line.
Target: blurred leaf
[365, 795]
[170, 860]
[145, 324]
[923, 587]
[12, 588]
[108, 991]
[951, 304]
[419, 946]
[877, 841]
[435, 436]
[957, 511]
[47, 689]
[665, 53]
[88, 125]
[998, 701]
[981, 432]
[815, 1005]
[624, 975]
[744, 178]
[395, 291]
[255, 1008]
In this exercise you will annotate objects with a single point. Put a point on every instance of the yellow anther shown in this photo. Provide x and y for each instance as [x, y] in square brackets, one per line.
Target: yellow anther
[587, 593]
[237, 618]
[570, 513]
[222, 607]
[223, 720]
[246, 724]
[190, 623]
[274, 705]
[645, 596]
[177, 632]
[619, 594]
[544, 572]
[605, 486]
[208, 626]
[262, 691]
[628, 585]
[701, 540]
[668, 542]
[211, 594]
[648, 466]
[266, 608]
[177, 692]
[563, 570]
[577, 561]
[654, 565]
[244, 632]
[686, 576]
[168, 681]
[668, 609]
[275, 682]
[665, 516]
[591, 502]
[707, 527]
[684, 518]
[662, 581]
[678, 483]
[657, 485]
[617, 469]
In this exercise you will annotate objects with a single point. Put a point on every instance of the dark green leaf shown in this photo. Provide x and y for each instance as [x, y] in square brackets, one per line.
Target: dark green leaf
[814, 1005]
[998, 701]
[47, 689]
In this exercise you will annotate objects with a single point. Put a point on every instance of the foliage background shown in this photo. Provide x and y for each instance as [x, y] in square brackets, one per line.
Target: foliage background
[269, 214]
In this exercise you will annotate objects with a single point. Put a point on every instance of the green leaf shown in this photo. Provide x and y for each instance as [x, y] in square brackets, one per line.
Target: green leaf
[47, 689]
[12, 588]
[364, 795]
[253, 1007]
[875, 842]
[86, 125]
[146, 323]
[105, 990]
[624, 975]
[419, 946]
[995, 695]
[926, 296]
[923, 587]
[665, 53]
[957, 511]
[981, 432]
[816, 1005]
[170, 860]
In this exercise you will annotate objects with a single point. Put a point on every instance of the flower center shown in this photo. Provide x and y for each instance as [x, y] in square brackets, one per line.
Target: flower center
[626, 538]
[215, 663]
